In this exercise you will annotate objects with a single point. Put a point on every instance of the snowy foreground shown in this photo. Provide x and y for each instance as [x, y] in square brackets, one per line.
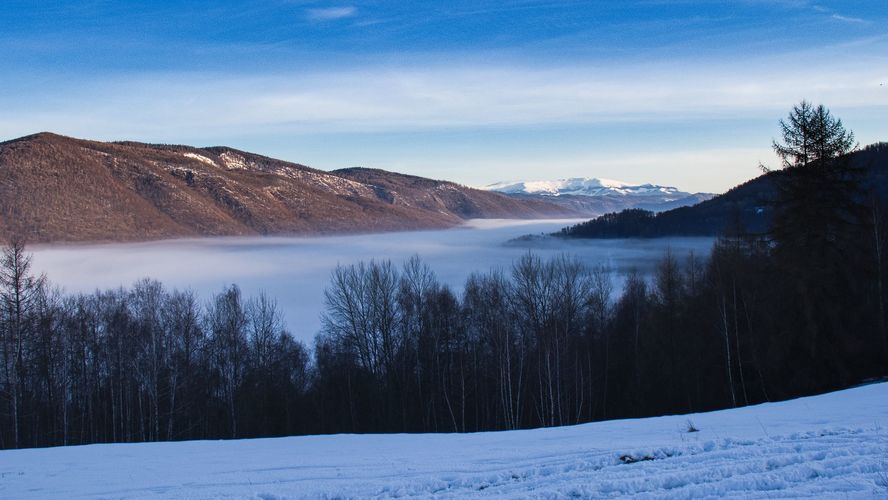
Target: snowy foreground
[834, 445]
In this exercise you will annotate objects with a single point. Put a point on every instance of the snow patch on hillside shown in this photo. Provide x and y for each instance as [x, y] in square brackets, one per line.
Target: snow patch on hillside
[833, 445]
[234, 161]
[201, 158]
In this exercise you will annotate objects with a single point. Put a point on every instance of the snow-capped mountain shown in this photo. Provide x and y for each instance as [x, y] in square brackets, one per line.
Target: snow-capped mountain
[598, 196]
[581, 186]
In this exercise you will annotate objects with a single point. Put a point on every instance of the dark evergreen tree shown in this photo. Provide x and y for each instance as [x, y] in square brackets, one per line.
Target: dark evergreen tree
[819, 196]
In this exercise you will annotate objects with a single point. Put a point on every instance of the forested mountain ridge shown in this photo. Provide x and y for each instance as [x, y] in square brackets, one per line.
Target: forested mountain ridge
[748, 204]
[55, 188]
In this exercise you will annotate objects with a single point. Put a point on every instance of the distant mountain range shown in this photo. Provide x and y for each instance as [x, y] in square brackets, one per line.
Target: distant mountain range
[749, 204]
[60, 189]
[593, 196]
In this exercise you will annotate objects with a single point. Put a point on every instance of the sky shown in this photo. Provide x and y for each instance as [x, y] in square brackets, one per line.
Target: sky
[685, 93]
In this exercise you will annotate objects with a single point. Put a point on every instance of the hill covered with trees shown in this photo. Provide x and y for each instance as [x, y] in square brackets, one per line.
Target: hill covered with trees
[61, 189]
[748, 206]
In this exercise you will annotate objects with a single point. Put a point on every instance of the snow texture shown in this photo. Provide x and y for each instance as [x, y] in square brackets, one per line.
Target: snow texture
[833, 445]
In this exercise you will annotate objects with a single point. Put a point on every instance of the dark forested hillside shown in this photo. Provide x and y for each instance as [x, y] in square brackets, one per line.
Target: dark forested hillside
[747, 206]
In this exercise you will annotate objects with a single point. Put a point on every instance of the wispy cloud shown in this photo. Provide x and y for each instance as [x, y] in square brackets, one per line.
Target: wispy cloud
[849, 19]
[805, 4]
[386, 99]
[331, 13]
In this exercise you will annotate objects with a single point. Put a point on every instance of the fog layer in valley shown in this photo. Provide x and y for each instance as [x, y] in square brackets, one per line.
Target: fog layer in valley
[295, 270]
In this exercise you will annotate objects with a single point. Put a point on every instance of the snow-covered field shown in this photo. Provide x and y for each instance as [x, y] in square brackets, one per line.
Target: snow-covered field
[834, 445]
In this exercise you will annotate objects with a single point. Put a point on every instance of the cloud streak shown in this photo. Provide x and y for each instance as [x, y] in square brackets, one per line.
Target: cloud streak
[379, 99]
[849, 19]
[330, 13]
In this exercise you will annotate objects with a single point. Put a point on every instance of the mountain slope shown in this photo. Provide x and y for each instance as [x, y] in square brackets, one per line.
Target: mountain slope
[598, 196]
[55, 188]
[442, 196]
[748, 203]
[827, 446]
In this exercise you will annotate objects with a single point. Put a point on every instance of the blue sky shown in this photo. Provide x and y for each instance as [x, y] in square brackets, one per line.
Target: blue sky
[686, 93]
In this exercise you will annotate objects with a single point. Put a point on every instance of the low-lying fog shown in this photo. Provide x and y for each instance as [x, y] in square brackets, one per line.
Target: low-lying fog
[295, 270]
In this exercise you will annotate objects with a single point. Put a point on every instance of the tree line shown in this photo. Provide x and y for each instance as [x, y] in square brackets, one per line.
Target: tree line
[763, 317]
[141, 364]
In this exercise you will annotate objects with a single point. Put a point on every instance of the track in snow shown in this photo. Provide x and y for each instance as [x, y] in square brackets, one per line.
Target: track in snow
[834, 445]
